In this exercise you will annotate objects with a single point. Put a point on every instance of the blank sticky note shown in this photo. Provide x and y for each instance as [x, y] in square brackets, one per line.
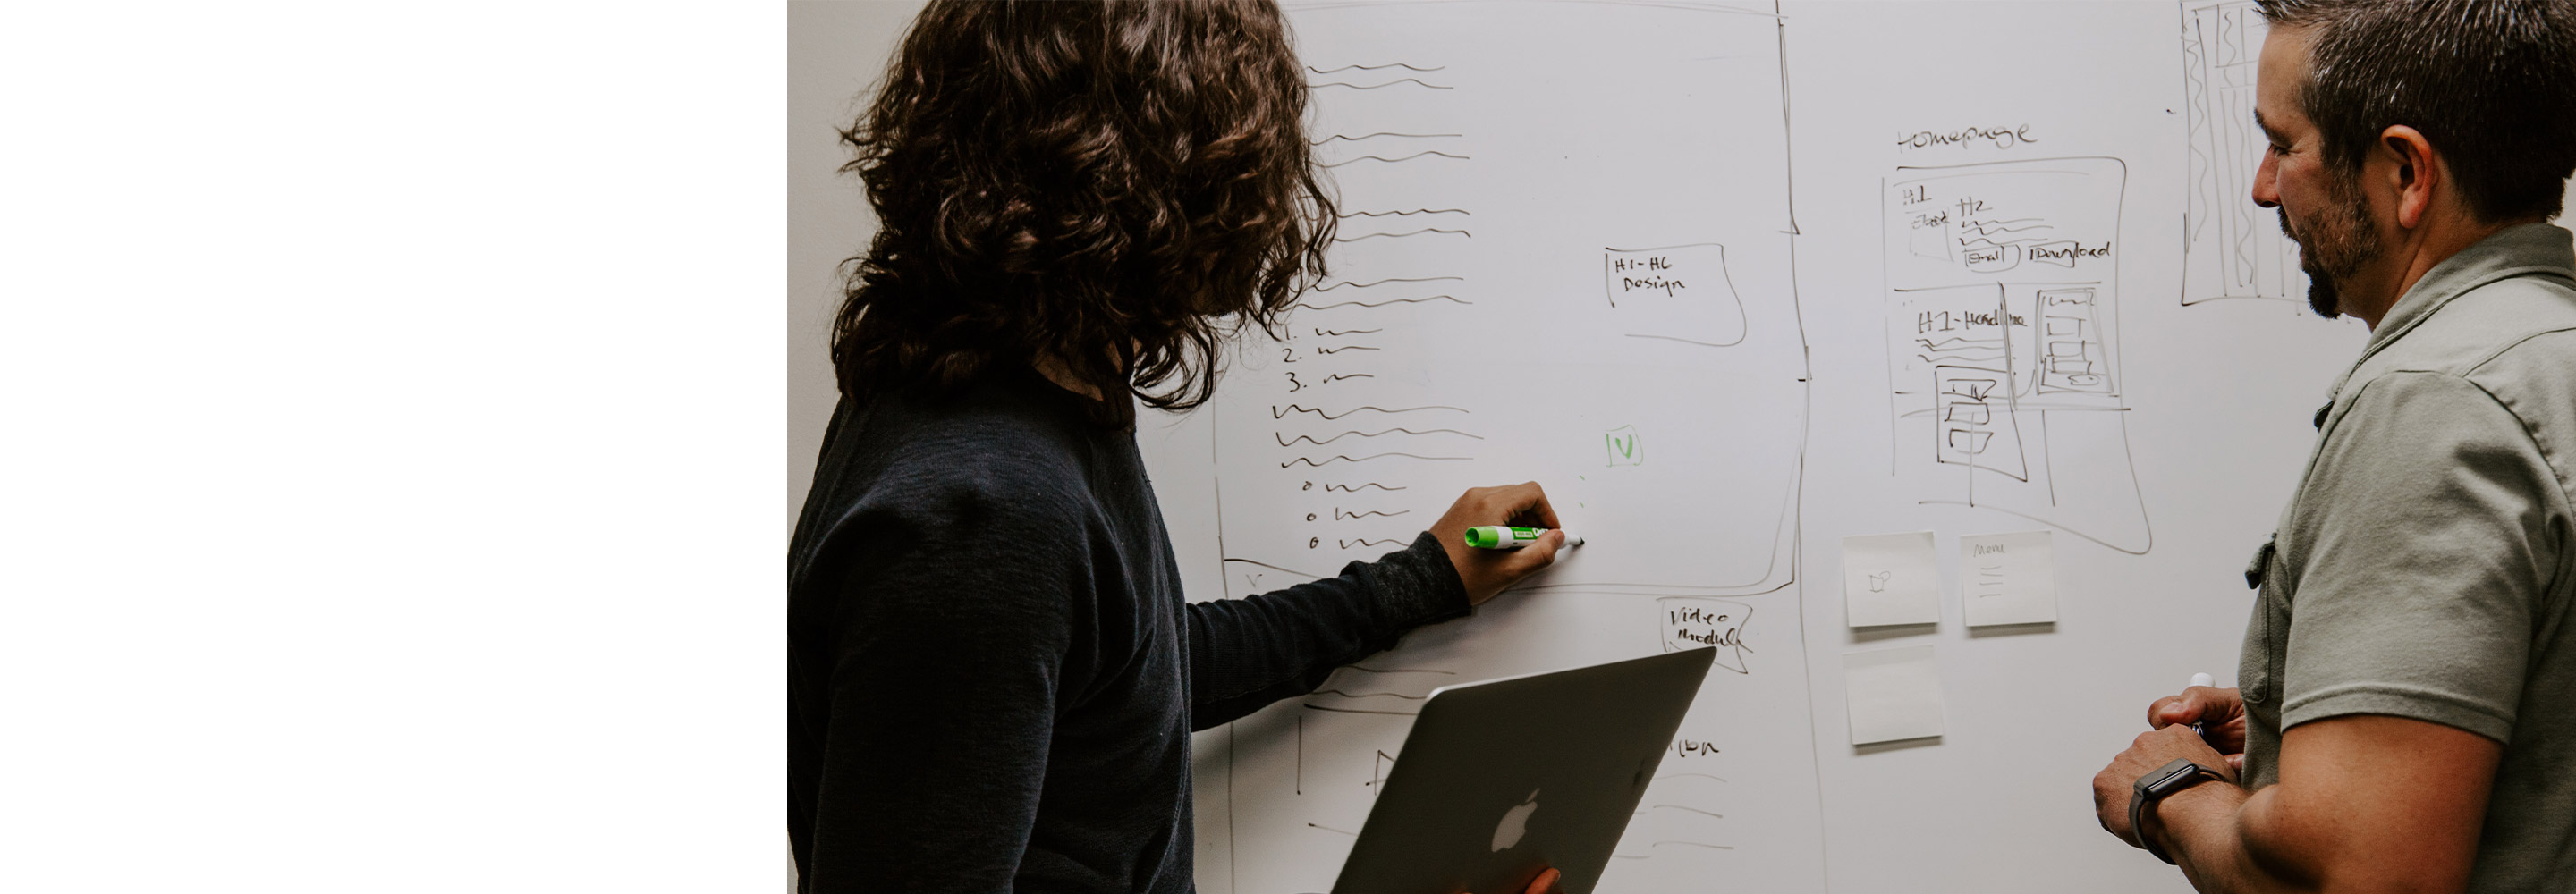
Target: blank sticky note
[2008, 578]
[1892, 694]
[1891, 579]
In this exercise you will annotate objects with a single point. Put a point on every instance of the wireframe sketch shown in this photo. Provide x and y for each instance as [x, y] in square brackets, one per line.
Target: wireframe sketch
[2003, 349]
[1628, 336]
[2231, 248]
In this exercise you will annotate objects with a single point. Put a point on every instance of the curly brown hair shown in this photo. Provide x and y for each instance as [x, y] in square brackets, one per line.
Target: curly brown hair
[1116, 186]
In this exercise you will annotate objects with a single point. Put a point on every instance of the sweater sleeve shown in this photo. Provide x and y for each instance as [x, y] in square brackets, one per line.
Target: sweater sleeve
[959, 637]
[1246, 653]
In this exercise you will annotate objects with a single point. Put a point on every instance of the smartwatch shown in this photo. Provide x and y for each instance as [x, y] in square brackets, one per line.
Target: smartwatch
[2153, 787]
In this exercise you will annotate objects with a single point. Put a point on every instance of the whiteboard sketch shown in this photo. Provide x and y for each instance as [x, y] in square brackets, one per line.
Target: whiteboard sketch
[2003, 346]
[1564, 255]
[2231, 249]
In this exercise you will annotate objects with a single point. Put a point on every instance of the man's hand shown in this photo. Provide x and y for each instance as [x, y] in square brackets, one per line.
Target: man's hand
[2220, 713]
[2117, 783]
[1486, 572]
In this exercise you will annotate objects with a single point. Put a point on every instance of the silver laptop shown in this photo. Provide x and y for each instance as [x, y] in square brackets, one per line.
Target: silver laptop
[1502, 779]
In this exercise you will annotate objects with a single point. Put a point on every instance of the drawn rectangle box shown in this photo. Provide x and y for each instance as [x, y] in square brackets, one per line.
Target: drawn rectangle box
[1969, 441]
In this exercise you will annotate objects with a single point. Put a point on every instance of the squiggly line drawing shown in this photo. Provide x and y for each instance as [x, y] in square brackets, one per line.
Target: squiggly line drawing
[1346, 348]
[1327, 287]
[1382, 133]
[1276, 413]
[1405, 213]
[1983, 227]
[1418, 233]
[1347, 544]
[1338, 514]
[1452, 298]
[1341, 332]
[1366, 434]
[1416, 81]
[1361, 459]
[1345, 488]
[1326, 71]
[1394, 160]
[1336, 377]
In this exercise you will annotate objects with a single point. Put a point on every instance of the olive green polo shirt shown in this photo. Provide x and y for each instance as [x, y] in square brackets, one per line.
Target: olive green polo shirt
[2423, 566]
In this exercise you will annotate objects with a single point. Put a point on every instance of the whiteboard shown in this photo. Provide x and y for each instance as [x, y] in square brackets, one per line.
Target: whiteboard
[1790, 137]
[1733, 283]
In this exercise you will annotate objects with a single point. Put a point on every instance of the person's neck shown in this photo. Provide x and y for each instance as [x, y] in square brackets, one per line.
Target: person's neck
[1056, 371]
[2372, 294]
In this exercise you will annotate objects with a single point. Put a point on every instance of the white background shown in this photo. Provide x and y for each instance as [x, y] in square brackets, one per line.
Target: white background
[389, 424]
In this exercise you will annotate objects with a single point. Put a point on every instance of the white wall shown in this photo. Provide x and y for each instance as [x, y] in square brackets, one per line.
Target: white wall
[836, 49]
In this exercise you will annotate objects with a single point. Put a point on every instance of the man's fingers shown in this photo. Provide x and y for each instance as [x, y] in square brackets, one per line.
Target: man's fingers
[1546, 883]
[2165, 712]
[1524, 505]
[1537, 504]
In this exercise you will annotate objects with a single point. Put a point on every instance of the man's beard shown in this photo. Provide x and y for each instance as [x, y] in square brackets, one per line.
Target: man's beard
[2337, 243]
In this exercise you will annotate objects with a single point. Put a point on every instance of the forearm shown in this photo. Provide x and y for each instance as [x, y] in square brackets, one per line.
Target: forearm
[2225, 840]
[1247, 653]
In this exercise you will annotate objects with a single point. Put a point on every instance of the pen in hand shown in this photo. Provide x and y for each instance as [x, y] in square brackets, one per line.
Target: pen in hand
[2200, 680]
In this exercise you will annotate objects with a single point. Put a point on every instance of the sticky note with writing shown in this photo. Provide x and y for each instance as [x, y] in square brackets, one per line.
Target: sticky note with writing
[1891, 579]
[2008, 578]
[1892, 694]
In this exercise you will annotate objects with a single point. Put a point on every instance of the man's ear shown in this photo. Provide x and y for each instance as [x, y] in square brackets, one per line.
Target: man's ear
[2414, 173]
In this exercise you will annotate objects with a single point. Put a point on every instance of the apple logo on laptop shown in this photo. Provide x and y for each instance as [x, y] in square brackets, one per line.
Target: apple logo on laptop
[1515, 822]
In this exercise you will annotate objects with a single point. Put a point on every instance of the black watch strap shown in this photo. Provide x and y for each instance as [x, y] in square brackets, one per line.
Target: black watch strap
[2181, 774]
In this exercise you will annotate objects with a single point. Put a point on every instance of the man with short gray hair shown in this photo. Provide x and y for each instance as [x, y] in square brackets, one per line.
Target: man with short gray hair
[2407, 712]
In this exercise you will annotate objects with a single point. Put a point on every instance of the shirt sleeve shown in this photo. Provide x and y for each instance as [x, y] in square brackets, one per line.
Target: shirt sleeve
[943, 691]
[1246, 653]
[2428, 554]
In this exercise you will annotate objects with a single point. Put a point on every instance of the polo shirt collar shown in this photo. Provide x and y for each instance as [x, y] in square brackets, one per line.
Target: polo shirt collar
[2518, 250]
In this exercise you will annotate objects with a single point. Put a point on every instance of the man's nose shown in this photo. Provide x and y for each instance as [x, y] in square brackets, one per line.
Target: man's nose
[2267, 188]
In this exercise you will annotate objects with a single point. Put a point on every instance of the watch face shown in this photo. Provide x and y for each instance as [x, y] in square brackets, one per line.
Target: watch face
[2176, 779]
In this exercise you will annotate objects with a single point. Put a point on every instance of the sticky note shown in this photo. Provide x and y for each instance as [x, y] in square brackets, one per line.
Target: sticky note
[2008, 578]
[1891, 579]
[1892, 694]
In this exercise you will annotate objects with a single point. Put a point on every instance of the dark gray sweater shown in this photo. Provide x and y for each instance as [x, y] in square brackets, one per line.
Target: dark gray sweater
[991, 673]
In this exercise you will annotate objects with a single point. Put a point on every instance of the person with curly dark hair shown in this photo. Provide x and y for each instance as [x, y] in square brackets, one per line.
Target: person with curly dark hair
[992, 674]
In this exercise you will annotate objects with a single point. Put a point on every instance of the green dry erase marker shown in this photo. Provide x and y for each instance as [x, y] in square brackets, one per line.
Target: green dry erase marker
[1502, 537]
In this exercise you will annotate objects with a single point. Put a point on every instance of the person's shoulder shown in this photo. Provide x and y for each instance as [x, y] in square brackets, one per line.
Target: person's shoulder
[2515, 319]
[986, 456]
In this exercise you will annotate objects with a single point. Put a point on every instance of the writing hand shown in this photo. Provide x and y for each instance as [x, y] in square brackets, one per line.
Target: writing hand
[2220, 713]
[1485, 572]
